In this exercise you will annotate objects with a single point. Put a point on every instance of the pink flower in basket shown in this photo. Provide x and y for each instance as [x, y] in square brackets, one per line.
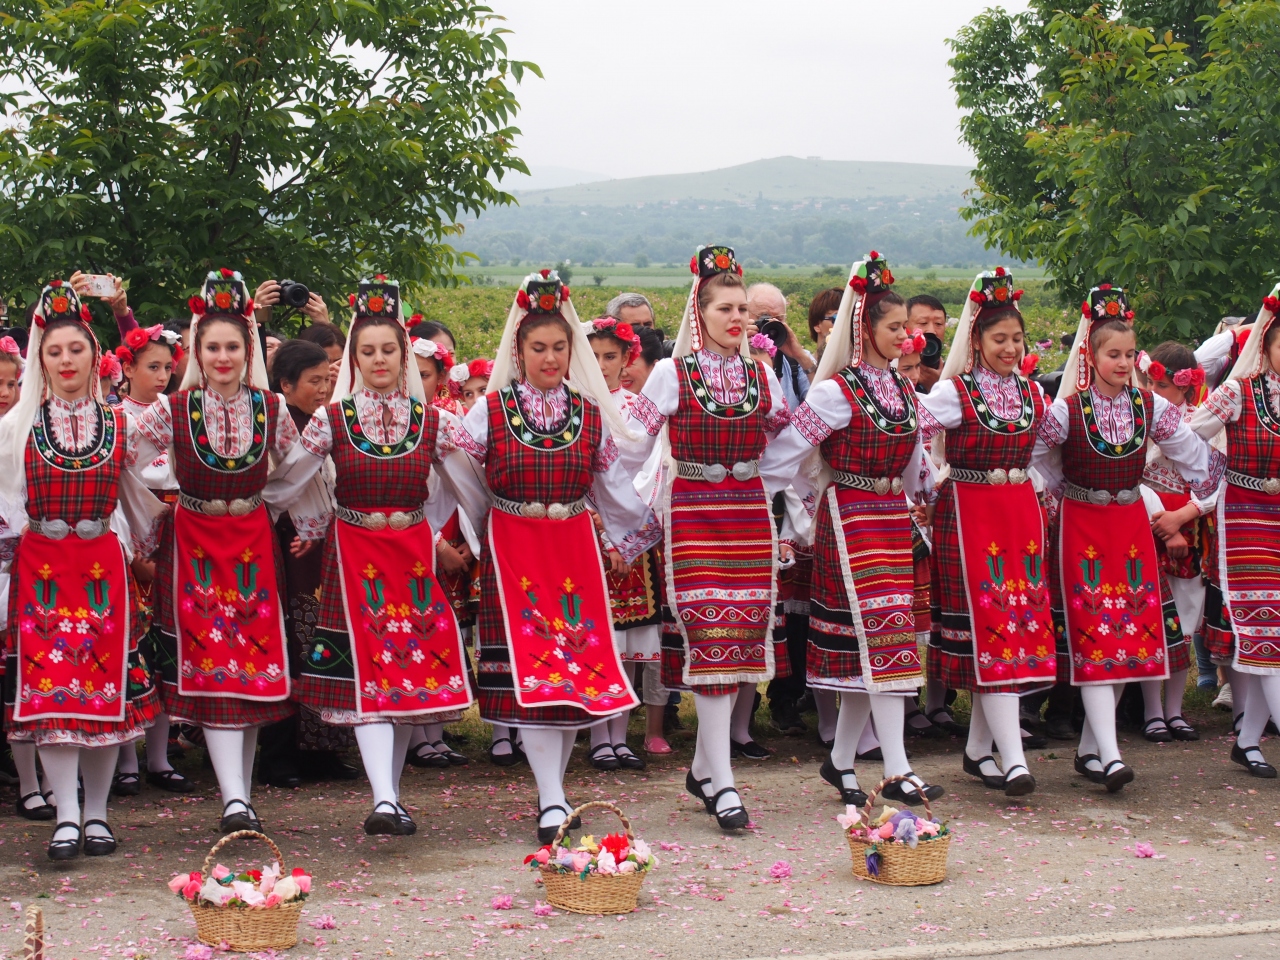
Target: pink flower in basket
[220, 872]
[273, 900]
[850, 818]
[606, 863]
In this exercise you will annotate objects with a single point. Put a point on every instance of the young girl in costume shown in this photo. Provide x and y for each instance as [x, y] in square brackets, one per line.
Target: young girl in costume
[75, 685]
[1177, 522]
[635, 592]
[860, 415]
[147, 358]
[547, 659]
[992, 634]
[1247, 406]
[1119, 622]
[219, 622]
[720, 408]
[468, 381]
[387, 653]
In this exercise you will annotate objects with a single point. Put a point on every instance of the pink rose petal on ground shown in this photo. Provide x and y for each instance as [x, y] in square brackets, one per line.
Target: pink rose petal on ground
[541, 909]
[324, 922]
[501, 903]
[781, 870]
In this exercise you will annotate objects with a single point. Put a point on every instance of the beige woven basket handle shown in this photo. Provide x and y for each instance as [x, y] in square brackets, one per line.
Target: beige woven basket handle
[33, 942]
[592, 805]
[254, 834]
[871, 797]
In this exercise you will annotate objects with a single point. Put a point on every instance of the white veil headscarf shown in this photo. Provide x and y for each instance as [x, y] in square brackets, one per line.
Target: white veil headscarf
[1078, 372]
[205, 307]
[1251, 360]
[351, 380]
[584, 371]
[15, 427]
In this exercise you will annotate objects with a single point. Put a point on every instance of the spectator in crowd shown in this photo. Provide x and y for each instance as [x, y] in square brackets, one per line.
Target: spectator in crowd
[437, 332]
[271, 340]
[632, 308]
[822, 316]
[928, 315]
[328, 338]
[793, 363]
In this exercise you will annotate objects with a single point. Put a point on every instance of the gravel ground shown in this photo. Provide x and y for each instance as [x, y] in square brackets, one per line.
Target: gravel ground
[1061, 866]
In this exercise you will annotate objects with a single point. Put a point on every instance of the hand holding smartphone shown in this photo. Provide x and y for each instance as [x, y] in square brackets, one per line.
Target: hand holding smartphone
[99, 285]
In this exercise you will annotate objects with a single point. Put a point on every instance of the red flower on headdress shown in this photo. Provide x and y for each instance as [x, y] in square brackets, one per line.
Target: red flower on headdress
[999, 271]
[197, 305]
[564, 293]
[415, 319]
[380, 277]
[227, 274]
[248, 307]
[1104, 286]
[1017, 294]
[859, 284]
[1197, 377]
[1029, 363]
[886, 277]
[109, 367]
[722, 261]
[137, 338]
[693, 264]
[376, 303]
[223, 299]
[624, 331]
[60, 304]
[1156, 371]
[1271, 303]
[522, 300]
[873, 255]
[55, 284]
[1002, 294]
[1128, 314]
[1084, 308]
[85, 315]
[545, 273]
[547, 301]
[178, 353]
[351, 299]
[977, 297]
[124, 353]
[1113, 308]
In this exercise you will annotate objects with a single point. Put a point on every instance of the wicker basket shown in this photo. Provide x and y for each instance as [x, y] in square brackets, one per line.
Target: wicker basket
[597, 894]
[33, 940]
[900, 865]
[246, 928]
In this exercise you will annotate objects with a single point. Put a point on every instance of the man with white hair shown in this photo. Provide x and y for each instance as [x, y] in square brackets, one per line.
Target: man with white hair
[767, 311]
[632, 308]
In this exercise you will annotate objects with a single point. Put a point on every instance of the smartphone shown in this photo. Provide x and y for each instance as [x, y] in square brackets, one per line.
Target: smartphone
[99, 285]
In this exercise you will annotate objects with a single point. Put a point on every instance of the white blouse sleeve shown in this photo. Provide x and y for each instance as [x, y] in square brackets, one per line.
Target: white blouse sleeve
[150, 435]
[628, 521]
[138, 516]
[286, 432]
[1046, 455]
[463, 484]
[298, 485]
[940, 410]
[824, 411]
[1222, 407]
[1214, 354]
[471, 435]
[1199, 465]
[647, 413]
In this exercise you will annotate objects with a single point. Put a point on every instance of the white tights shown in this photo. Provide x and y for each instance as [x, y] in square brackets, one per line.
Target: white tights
[548, 750]
[995, 717]
[711, 755]
[855, 709]
[1153, 706]
[1263, 702]
[828, 712]
[614, 730]
[744, 703]
[157, 749]
[63, 765]
[1099, 733]
[382, 750]
[231, 752]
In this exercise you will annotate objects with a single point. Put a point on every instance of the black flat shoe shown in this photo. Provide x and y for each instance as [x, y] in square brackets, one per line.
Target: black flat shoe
[627, 759]
[1059, 728]
[974, 769]
[547, 834]
[902, 791]
[452, 757]
[1093, 776]
[1020, 786]
[384, 820]
[875, 753]
[694, 788]
[1257, 768]
[286, 777]
[1157, 731]
[99, 846]
[829, 773]
[418, 758]
[949, 725]
[748, 751]
[1033, 741]
[170, 780]
[609, 762]
[46, 810]
[1116, 774]
[731, 818]
[126, 784]
[505, 759]
[1185, 733]
[246, 818]
[930, 731]
[407, 826]
[67, 849]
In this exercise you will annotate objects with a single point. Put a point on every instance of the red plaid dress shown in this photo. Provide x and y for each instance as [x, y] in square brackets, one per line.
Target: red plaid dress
[74, 495]
[524, 474]
[972, 446]
[202, 481]
[863, 450]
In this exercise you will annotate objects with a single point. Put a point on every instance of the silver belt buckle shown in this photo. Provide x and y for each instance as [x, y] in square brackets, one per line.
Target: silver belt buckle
[215, 508]
[1099, 498]
[743, 471]
[1271, 486]
[1128, 497]
[716, 472]
[998, 477]
[55, 529]
[400, 520]
[534, 510]
[881, 486]
[240, 508]
[1017, 475]
[88, 529]
[558, 511]
[374, 521]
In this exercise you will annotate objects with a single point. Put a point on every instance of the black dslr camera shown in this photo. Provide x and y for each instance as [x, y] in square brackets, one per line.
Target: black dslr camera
[293, 294]
[931, 355]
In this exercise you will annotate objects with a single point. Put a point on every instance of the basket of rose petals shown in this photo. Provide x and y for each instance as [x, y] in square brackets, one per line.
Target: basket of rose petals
[595, 877]
[249, 910]
[899, 847]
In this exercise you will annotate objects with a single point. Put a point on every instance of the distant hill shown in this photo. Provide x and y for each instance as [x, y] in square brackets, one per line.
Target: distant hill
[781, 179]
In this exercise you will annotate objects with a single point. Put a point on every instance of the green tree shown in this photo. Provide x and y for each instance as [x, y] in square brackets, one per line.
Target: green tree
[1130, 143]
[156, 139]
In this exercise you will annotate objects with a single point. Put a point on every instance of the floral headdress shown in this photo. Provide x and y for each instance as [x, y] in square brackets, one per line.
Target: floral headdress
[1251, 361]
[1155, 370]
[915, 342]
[109, 369]
[1104, 304]
[761, 342]
[623, 331]
[224, 293]
[9, 347]
[137, 339]
[992, 291]
[378, 297]
[430, 350]
[59, 302]
[871, 280]
[707, 262]
[542, 292]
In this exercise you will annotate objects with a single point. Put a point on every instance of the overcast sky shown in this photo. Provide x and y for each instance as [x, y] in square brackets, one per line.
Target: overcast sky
[676, 86]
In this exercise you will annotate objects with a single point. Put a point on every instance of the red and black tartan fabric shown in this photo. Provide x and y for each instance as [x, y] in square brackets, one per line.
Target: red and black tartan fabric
[1084, 466]
[74, 495]
[366, 483]
[1219, 640]
[196, 479]
[971, 446]
[525, 474]
[699, 437]
[864, 450]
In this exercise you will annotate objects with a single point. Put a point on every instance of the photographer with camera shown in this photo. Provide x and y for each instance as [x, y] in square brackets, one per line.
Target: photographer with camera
[292, 296]
[767, 314]
[929, 316]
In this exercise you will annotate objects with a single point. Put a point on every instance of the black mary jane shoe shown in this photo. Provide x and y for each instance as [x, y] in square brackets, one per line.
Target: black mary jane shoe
[694, 787]
[246, 818]
[98, 846]
[875, 753]
[505, 759]
[429, 758]
[1116, 774]
[547, 834]
[627, 758]
[949, 725]
[1257, 768]
[748, 751]
[126, 784]
[1081, 763]
[1034, 741]
[407, 825]
[1185, 733]
[67, 849]
[46, 810]
[974, 769]
[905, 791]
[1020, 786]
[609, 762]
[731, 818]
[851, 797]
[930, 730]
[451, 756]
[384, 820]
[170, 780]
[1161, 732]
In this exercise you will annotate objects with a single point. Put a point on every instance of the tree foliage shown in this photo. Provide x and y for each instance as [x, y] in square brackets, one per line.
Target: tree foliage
[1133, 143]
[322, 141]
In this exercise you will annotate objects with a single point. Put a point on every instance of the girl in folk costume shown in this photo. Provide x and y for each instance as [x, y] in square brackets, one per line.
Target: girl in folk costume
[860, 415]
[1247, 406]
[147, 359]
[1119, 623]
[992, 634]
[219, 623]
[547, 659]
[387, 654]
[434, 362]
[720, 408]
[635, 592]
[1177, 522]
[75, 684]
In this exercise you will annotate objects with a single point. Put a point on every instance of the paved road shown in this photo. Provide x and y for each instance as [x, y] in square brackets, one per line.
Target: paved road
[1041, 875]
